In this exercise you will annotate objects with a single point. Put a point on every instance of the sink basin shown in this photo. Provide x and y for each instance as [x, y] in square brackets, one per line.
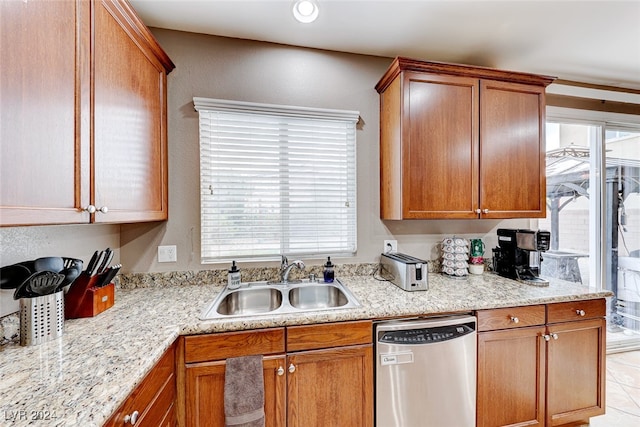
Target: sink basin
[250, 301]
[261, 298]
[317, 297]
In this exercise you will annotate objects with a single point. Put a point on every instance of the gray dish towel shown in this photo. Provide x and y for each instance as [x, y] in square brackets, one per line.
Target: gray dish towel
[244, 392]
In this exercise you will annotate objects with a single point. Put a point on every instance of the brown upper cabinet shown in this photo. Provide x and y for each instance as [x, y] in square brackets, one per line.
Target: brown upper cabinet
[459, 141]
[83, 113]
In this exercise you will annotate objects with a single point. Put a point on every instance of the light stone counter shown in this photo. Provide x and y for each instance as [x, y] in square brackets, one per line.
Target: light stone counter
[82, 378]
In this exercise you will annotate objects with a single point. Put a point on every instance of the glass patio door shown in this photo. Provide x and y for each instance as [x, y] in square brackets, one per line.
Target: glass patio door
[622, 249]
[593, 213]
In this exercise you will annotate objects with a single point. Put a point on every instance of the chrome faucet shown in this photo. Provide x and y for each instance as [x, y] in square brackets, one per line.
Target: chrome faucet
[285, 268]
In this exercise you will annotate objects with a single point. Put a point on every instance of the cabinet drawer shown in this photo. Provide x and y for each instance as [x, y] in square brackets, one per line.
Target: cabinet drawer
[164, 401]
[311, 337]
[575, 310]
[512, 317]
[201, 348]
[156, 390]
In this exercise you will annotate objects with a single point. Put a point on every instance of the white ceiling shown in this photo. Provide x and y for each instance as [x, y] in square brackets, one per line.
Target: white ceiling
[589, 41]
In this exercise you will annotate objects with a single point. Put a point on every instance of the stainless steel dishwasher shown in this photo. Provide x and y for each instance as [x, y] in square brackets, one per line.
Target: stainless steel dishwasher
[426, 372]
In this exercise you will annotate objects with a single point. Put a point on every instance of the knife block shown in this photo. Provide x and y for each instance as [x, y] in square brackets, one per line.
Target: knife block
[86, 300]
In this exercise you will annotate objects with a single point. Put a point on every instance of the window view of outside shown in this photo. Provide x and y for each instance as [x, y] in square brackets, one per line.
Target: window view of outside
[595, 222]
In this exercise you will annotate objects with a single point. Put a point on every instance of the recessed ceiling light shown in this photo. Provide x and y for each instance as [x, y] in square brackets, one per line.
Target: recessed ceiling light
[305, 11]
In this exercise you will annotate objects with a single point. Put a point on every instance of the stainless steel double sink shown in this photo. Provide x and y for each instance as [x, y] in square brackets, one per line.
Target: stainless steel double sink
[261, 298]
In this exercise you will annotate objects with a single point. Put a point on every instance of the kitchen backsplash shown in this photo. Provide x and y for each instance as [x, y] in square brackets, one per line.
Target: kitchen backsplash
[184, 278]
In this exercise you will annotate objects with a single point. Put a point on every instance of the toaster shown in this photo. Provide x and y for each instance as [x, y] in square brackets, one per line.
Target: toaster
[406, 272]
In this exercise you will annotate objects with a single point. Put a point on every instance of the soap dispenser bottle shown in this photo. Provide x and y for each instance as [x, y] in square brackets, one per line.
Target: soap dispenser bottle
[328, 271]
[233, 277]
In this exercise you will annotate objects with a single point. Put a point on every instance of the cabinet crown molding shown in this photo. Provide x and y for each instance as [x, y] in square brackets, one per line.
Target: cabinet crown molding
[401, 64]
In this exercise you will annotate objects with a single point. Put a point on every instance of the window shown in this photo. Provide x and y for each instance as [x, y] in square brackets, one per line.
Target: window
[275, 180]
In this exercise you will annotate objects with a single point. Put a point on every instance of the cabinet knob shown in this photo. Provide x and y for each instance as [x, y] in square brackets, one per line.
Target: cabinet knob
[485, 211]
[104, 209]
[133, 418]
[515, 319]
[292, 368]
[580, 313]
[91, 209]
[546, 337]
[478, 211]
[554, 336]
[280, 371]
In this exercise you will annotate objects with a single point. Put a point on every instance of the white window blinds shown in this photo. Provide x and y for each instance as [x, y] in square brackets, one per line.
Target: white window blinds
[275, 180]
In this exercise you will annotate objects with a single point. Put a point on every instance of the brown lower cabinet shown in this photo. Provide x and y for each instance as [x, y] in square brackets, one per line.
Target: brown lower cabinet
[316, 375]
[152, 403]
[541, 365]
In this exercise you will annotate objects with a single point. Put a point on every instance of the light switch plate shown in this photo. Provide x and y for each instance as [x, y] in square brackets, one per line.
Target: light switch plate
[167, 253]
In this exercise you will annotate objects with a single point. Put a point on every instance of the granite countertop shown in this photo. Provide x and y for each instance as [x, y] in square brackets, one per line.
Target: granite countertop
[81, 378]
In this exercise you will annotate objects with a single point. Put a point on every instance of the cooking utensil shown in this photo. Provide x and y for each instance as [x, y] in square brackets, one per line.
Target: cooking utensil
[71, 271]
[12, 276]
[29, 265]
[44, 282]
[70, 262]
[51, 263]
[22, 292]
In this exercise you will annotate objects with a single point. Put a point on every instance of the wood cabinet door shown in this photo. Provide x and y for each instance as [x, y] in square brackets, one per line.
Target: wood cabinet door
[439, 148]
[575, 371]
[511, 379]
[129, 121]
[205, 393]
[512, 150]
[330, 388]
[44, 83]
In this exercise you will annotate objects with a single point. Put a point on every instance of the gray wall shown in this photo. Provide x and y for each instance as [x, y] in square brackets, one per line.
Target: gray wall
[217, 67]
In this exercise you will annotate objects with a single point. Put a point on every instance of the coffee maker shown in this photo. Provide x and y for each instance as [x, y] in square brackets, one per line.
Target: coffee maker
[519, 254]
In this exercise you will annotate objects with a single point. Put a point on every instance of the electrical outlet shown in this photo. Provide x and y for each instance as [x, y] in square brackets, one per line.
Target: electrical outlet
[167, 253]
[390, 246]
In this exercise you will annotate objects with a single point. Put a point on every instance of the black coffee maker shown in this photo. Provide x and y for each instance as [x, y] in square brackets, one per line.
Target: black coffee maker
[519, 254]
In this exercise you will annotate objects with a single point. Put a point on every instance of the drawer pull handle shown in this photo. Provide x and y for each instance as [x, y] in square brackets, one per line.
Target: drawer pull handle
[280, 371]
[133, 418]
[515, 319]
[292, 368]
[580, 313]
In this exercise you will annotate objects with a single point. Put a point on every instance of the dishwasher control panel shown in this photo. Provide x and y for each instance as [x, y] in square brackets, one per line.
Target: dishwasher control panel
[427, 335]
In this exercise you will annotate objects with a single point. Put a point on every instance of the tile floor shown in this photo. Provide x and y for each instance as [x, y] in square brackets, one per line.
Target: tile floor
[623, 391]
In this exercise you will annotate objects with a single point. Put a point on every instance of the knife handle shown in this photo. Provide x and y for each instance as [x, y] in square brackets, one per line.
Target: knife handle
[98, 263]
[108, 256]
[107, 277]
[92, 263]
